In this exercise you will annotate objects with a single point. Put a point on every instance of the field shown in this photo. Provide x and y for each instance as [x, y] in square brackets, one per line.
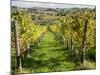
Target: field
[50, 39]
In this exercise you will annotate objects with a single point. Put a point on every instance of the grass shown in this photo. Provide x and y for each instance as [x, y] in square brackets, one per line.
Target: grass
[50, 56]
[88, 65]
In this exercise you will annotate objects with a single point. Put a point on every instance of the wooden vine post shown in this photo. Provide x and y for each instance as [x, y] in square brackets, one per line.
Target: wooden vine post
[18, 53]
[28, 51]
[84, 43]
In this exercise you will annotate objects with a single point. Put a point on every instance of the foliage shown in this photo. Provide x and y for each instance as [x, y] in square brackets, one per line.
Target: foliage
[56, 40]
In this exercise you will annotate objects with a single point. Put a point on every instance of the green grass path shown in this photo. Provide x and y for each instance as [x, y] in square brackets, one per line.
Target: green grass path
[49, 56]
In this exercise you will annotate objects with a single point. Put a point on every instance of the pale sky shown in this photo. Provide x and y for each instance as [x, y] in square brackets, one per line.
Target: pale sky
[29, 4]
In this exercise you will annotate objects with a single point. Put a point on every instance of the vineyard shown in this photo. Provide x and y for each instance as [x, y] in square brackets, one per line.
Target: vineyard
[49, 40]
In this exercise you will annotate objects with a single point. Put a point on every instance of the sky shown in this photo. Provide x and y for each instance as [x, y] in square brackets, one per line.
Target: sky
[30, 4]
